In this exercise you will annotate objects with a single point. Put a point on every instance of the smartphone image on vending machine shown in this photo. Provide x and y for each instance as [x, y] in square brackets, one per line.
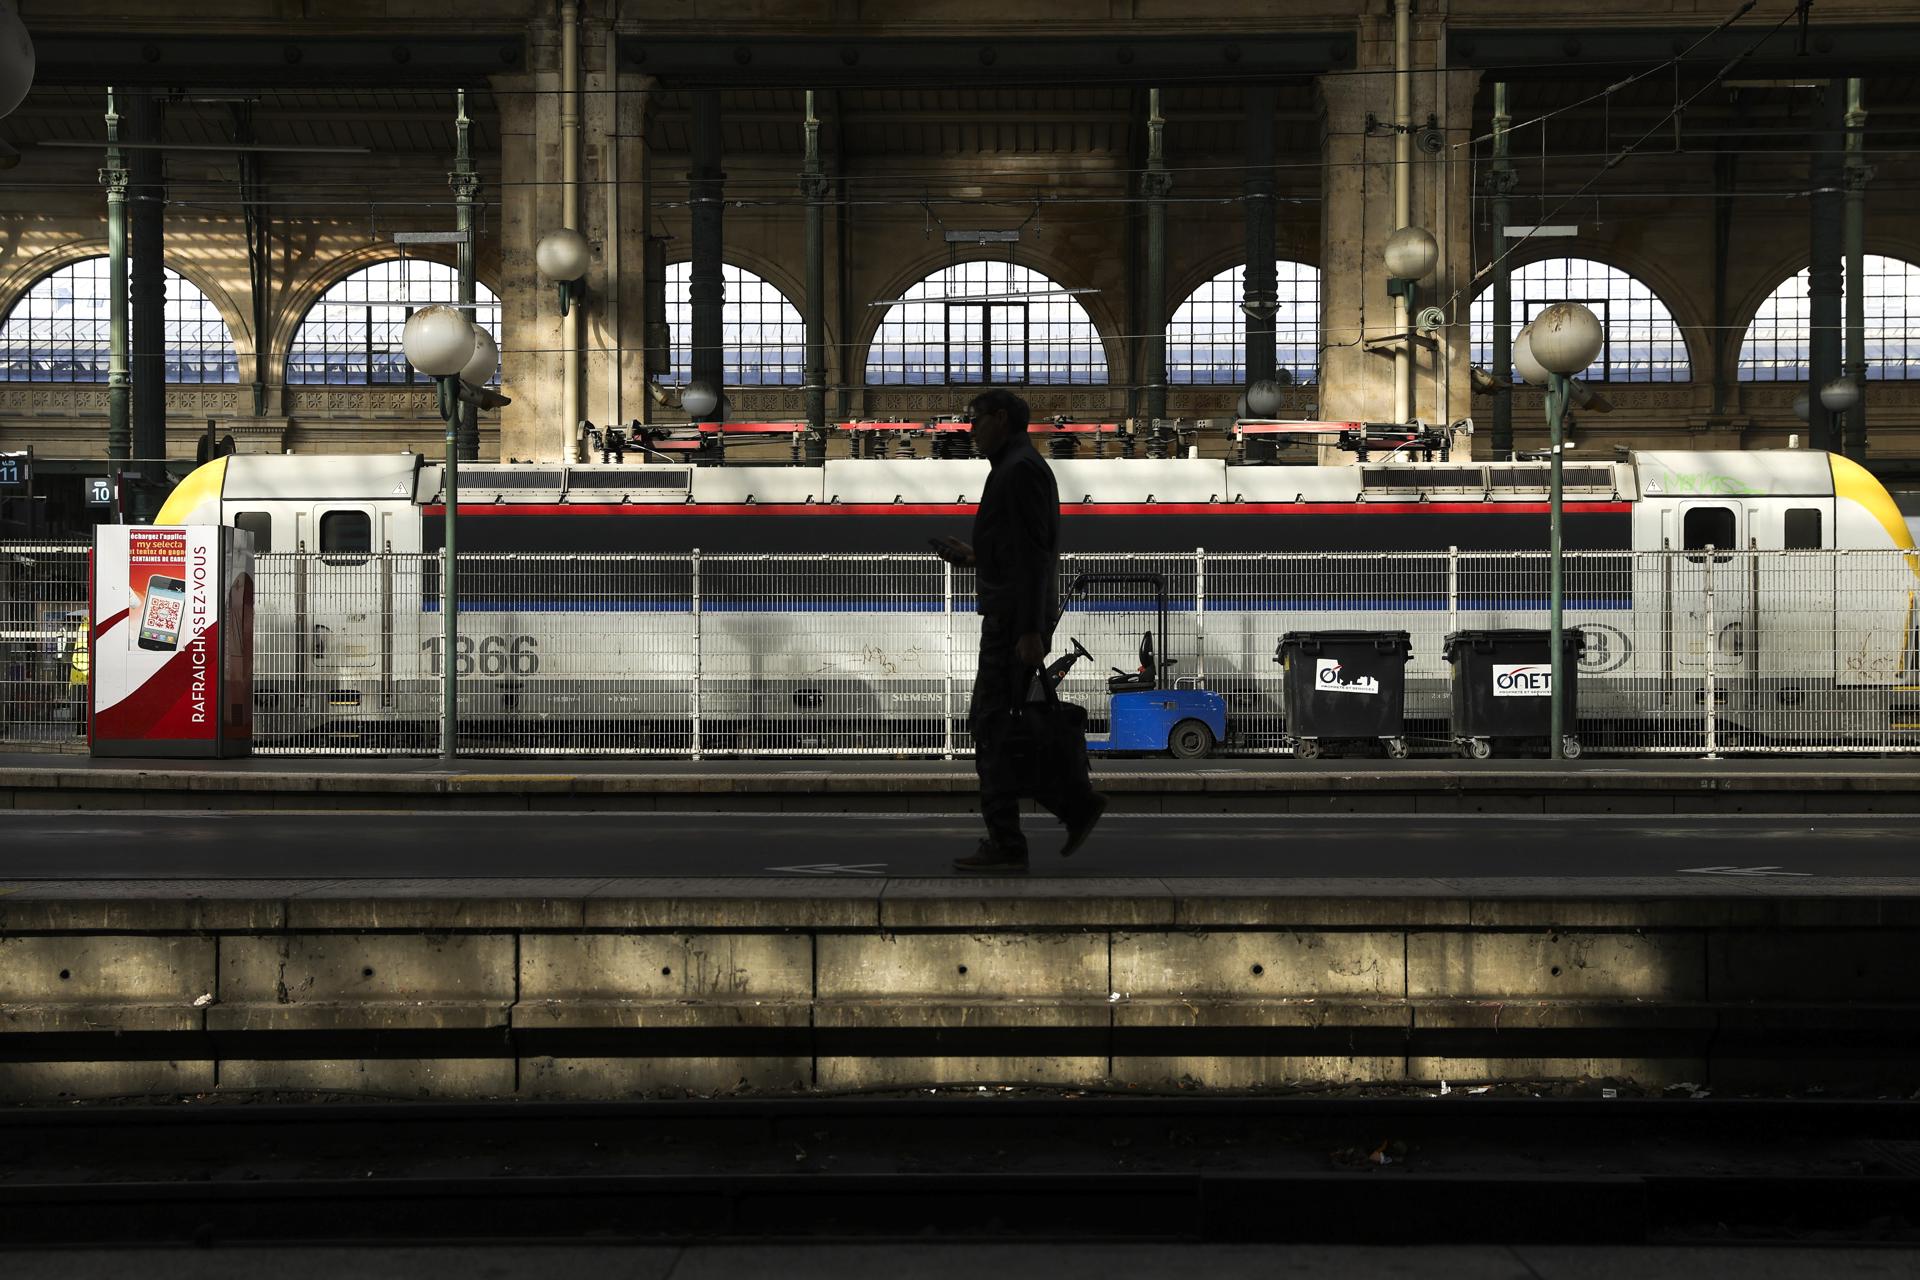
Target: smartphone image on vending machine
[160, 619]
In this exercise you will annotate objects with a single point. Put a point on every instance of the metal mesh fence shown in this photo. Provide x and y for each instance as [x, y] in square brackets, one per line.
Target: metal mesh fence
[43, 653]
[1689, 652]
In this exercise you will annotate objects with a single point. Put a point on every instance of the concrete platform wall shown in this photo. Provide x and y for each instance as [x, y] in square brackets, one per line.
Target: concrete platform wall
[603, 999]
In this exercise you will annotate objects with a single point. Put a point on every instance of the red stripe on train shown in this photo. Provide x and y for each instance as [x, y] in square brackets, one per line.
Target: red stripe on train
[1066, 509]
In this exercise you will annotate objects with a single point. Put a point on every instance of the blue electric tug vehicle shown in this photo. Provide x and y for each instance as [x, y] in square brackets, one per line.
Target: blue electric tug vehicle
[1146, 713]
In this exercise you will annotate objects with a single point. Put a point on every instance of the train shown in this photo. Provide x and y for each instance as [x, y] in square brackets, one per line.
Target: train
[647, 606]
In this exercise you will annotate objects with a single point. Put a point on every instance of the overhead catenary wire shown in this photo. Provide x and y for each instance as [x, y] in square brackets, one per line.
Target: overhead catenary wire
[1620, 157]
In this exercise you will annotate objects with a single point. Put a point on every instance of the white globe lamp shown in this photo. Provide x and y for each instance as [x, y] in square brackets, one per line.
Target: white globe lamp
[1803, 405]
[484, 362]
[1264, 399]
[561, 255]
[16, 59]
[699, 400]
[1565, 338]
[1411, 253]
[438, 340]
[1531, 371]
[1840, 395]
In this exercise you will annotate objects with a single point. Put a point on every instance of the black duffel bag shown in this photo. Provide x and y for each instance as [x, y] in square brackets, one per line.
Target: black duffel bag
[1049, 739]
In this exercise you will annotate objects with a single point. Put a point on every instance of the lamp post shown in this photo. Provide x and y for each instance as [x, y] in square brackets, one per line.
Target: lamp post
[439, 342]
[1562, 340]
[1409, 255]
[1838, 398]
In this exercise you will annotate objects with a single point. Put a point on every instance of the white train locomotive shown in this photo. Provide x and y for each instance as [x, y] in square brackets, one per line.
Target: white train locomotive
[584, 627]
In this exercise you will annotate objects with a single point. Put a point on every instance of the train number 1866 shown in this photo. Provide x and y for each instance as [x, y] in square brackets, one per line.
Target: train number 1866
[496, 656]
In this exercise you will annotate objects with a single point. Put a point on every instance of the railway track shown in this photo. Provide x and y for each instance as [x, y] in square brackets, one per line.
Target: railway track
[1460, 1169]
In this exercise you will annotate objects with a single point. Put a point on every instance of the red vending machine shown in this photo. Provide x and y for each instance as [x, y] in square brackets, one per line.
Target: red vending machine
[172, 660]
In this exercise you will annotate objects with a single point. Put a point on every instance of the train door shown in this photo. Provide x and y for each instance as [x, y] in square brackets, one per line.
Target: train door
[346, 594]
[1708, 578]
[1791, 587]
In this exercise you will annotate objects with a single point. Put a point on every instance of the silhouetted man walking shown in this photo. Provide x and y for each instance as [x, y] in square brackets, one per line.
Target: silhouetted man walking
[1015, 548]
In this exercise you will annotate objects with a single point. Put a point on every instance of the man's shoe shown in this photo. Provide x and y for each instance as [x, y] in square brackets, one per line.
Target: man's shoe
[991, 859]
[1081, 827]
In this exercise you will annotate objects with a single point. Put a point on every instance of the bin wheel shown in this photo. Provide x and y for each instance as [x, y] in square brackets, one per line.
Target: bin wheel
[1397, 748]
[1479, 748]
[1190, 740]
[1569, 747]
[1306, 748]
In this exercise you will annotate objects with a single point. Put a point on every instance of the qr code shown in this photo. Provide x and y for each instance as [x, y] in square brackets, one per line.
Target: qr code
[163, 614]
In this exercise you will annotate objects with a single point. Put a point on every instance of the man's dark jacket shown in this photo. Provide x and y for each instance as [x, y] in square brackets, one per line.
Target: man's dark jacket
[1016, 539]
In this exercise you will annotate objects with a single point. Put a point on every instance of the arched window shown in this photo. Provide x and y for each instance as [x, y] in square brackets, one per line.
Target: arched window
[985, 323]
[351, 336]
[1775, 348]
[60, 330]
[1643, 344]
[765, 339]
[1207, 337]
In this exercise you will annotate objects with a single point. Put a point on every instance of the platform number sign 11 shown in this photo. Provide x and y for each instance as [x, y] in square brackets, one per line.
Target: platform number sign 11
[13, 470]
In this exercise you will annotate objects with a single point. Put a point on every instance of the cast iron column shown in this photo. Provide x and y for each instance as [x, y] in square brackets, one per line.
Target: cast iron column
[114, 178]
[1155, 185]
[1259, 298]
[1502, 184]
[148, 299]
[1857, 177]
[813, 184]
[1824, 275]
[706, 290]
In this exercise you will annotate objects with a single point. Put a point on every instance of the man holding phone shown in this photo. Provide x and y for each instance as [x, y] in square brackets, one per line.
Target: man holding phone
[1015, 550]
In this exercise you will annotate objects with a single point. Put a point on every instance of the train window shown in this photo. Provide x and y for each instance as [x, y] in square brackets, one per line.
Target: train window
[1714, 527]
[1803, 529]
[260, 525]
[346, 533]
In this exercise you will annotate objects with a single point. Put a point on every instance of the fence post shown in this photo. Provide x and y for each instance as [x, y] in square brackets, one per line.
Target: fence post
[946, 702]
[1453, 589]
[1713, 645]
[699, 652]
[1199, 614]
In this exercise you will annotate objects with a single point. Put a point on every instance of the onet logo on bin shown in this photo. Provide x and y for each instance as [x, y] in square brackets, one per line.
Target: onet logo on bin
[1329, 678]
[1522, 680]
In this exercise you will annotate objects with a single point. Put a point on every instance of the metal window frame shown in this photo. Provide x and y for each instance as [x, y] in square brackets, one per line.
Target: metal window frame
[1564, 287]
[1795, 326]
[487, 307]
[989, 367]
[758, 299]
[187, 307]
[1288, 273]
